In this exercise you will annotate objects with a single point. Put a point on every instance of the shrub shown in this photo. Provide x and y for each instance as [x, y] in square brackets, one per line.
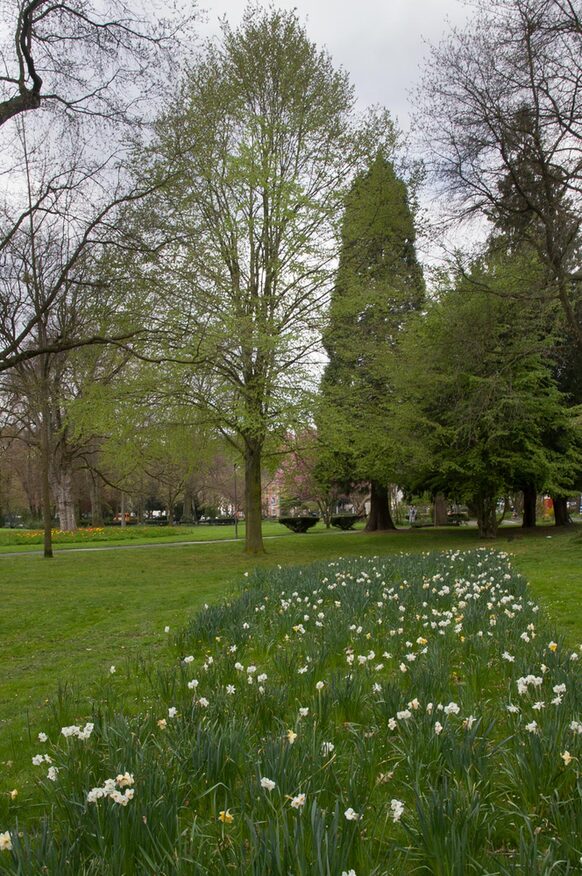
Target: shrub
[299, 524]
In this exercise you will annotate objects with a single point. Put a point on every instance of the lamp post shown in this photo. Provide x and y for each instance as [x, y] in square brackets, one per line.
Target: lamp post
[235, 466]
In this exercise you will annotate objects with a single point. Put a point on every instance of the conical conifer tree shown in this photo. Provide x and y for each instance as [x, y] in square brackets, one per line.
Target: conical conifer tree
[379, 283]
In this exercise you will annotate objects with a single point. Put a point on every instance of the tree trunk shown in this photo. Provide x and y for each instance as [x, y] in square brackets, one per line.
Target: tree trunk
[561, 515]
[440, 510]
[487, 516]
[379, 518]
[46, 498]
[45, 463]
[529, 506]
[95, 497]
[62, 483]
[122, 506]
[170, 506]
[187, 509]
[253, 529]
[326, 512]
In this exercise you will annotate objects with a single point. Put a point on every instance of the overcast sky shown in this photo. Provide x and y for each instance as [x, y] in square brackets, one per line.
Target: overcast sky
[381, 43]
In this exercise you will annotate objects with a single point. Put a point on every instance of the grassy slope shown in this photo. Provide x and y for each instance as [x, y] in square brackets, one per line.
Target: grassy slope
[71, 618]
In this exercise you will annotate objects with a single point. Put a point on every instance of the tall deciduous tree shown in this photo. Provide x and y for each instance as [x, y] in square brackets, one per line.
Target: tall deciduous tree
[82, 56]
[91, 74]
[379, 283]
[502, 108]
[263, 143]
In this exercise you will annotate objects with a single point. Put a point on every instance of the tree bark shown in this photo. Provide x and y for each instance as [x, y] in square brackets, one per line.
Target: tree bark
[95, 497]
[440, 510]
[62, 484]
[46, 499]
[561, 515]
[253, 517]
[45, 462]
[487, 516]
[529, 506]
[379, 518]
[187, 509]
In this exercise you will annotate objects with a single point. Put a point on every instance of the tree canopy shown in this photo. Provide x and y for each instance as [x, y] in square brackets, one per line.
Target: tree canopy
[262, 142]
[379, 283]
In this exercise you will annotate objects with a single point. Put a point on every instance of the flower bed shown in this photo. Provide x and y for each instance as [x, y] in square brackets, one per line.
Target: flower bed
[365, 716]
[90, 534]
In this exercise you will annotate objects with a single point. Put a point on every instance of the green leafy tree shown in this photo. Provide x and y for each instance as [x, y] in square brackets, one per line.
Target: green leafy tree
[261, 142]
[500, 102]
[379, 284]
[479, 398]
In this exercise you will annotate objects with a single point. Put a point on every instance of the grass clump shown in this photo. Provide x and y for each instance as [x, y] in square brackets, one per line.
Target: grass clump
[403, 715]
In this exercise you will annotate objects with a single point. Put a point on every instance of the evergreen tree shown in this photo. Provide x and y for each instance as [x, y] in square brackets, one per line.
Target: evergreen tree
[482, 407]
[518, 231]
[379, 283]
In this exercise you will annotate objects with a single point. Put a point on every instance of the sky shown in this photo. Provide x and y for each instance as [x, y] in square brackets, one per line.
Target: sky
[380, 44]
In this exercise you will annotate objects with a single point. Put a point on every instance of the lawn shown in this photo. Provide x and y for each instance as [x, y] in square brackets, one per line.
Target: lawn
[67, 620]
[23, 540]
[381, 714]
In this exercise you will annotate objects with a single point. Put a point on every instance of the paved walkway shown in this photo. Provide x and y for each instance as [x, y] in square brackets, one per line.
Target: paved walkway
[153, 544]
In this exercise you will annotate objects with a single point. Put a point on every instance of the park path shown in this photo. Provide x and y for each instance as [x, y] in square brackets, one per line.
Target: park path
[152, 544]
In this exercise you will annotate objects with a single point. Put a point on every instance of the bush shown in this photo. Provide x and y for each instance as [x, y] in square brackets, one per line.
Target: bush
[345, 521]
[299, 524]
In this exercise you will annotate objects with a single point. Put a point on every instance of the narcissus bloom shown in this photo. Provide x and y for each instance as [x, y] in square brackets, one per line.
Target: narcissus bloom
[298, 801]
[396, 808]
[268, 784]
[225, 816]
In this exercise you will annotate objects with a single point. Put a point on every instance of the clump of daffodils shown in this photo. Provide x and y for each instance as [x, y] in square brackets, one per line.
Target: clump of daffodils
[110, 788]
[80, 732]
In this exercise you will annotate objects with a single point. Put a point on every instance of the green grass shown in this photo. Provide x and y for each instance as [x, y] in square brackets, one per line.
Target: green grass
[24, 540]
[69, 619]
[359, 685]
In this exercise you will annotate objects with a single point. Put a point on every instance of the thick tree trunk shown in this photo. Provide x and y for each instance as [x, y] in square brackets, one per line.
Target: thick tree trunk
[529, 506]
[487, 516]
[122, 509]
[187, 509]
[440, 510]
[62, 484]
[379, 518]
[253, 529]
[561, 515]
[326, 512]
